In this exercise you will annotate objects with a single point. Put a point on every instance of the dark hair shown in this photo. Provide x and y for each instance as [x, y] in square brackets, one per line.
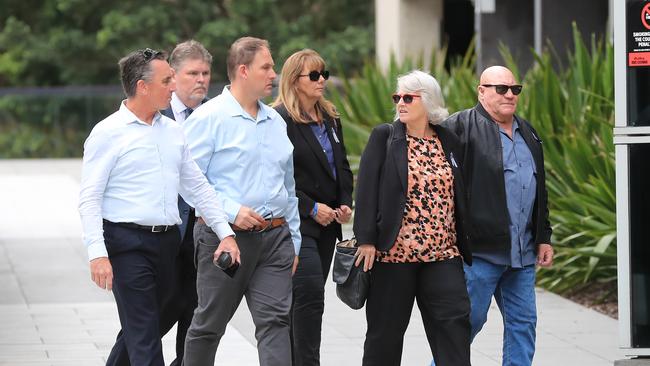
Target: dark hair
[242, 52]
[137, 66]
[188, 50]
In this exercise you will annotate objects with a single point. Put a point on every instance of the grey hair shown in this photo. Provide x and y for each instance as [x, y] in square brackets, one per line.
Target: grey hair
[427, 87]
[133, 67]
[189, 50]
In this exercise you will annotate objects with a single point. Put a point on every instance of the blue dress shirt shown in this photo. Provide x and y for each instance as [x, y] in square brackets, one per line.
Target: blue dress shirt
[133, 172]
[249, 161]
[320, 131]
[519, 171]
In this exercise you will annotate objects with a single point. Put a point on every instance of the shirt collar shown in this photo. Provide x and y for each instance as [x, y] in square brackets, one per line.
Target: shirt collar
[129, 117]
[234, 109]
[515, 126]
[176, 104]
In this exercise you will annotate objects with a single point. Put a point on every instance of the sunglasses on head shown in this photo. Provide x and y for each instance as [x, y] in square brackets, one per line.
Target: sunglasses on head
[407, 98]
[315, 75]
[503, 89]
[150, 54]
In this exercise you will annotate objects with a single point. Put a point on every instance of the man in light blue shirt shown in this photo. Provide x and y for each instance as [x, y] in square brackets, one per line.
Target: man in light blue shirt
[135, 163]
[242, 147]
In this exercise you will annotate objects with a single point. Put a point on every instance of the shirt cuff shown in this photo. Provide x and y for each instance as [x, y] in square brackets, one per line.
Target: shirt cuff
[232, 209]
[223, 230]
[97, 250]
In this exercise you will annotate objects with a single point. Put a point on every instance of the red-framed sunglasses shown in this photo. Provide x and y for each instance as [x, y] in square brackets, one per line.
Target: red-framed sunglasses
[407, 98]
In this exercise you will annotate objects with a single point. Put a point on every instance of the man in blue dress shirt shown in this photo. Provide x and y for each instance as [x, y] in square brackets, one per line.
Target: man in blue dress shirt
[135, 163]
[242, 147]
[191, 63]
[503, 169]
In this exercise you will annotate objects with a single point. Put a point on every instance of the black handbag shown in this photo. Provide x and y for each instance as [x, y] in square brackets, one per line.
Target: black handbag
[352, 283]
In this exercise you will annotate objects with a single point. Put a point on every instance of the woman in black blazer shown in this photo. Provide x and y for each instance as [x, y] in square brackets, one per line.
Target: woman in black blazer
[324, 190]
[409, 224]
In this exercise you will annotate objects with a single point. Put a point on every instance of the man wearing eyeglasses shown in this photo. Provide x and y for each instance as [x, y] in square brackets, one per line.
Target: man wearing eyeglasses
[191, 64]
[503, 169]
[241, 145]
[135, 163]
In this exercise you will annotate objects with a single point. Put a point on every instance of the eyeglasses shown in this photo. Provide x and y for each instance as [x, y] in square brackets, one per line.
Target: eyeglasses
[150, 54]
[407, 98]
[503, 89]
[315, 75]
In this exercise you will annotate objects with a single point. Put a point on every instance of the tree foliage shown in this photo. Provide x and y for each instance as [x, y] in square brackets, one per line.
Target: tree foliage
[59, 42]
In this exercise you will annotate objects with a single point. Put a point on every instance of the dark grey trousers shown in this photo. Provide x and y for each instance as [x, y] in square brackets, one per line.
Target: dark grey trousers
[264, 277]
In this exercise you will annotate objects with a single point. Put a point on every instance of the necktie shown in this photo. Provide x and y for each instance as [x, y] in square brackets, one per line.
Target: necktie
[188, 111]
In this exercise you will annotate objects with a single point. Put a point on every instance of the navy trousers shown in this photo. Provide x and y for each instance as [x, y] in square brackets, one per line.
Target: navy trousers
[184, 296]
[143, 269]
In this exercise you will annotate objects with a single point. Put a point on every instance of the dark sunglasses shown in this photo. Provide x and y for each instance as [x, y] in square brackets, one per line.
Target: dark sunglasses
[150, 54]
[503, 89]
[407, 98]
[315, 75]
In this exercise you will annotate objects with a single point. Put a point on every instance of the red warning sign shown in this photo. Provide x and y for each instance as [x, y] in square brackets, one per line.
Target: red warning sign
[645, 16]
[638, 59]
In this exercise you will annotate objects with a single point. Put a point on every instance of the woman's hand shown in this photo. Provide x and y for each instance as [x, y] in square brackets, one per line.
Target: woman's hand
[324, 214]
[365, 253]
[343, 214]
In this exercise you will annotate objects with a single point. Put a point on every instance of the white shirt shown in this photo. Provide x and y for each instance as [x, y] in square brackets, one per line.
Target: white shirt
[133, 172]
[178, 108]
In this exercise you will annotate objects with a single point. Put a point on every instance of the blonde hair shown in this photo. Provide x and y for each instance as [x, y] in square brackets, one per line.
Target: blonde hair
[288, 90]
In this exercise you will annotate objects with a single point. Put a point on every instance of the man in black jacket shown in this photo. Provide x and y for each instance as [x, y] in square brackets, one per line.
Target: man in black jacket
[503, 169]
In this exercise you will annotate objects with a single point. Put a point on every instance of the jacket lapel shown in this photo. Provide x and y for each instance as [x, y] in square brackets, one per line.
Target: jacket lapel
[335, 141]
[168, 113]
[399, 151]
[312, 141]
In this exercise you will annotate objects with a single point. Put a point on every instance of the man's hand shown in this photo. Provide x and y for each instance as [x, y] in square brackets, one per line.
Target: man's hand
[325, 214]
[545, 255]
[101, 272]
[343, 214]
[365, 253]
[247, 218]
[295, 266]
[228, 244]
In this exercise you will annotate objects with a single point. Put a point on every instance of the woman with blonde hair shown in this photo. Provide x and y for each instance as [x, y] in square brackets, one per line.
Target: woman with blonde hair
[409, 222]
[324, 189]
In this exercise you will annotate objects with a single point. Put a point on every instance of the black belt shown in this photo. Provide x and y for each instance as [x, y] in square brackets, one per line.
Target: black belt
[153, 228]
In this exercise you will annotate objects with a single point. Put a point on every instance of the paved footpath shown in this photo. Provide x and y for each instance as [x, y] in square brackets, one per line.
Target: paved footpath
[52, 314]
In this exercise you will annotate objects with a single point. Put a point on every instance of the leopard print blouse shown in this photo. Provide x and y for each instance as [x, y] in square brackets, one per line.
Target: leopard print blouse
[428, 231]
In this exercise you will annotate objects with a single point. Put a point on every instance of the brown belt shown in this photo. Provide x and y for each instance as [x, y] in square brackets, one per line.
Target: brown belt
[268, 224]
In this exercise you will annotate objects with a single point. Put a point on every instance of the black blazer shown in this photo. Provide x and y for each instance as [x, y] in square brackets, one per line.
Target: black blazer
[314, 179]
[382, 187]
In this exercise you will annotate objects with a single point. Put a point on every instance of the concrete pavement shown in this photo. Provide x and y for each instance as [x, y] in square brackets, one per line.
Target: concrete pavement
[52, 314]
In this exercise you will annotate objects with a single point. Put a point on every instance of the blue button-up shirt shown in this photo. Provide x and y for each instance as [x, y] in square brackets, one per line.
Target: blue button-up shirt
[519, 171]
[133, 172]
[249, 161]
[320, 131]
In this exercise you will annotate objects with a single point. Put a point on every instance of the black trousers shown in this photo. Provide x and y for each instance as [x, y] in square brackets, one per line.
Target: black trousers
[441, 294]
[309, 296]
[143, 268]
[184, 295]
